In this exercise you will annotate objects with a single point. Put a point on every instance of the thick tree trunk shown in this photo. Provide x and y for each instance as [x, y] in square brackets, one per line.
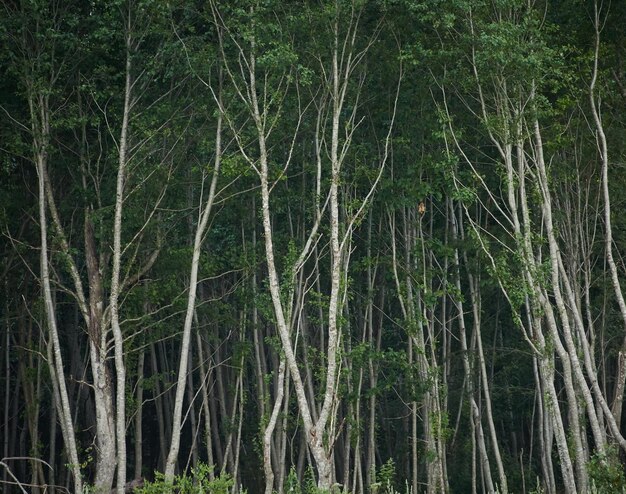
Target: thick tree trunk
[105, 417]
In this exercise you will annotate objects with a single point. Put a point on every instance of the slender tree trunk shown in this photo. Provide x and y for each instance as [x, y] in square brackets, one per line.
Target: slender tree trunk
[120, 366]
[204, 215]
[52, 479]
[191, 411]
[620, 379]
[476, 417]
[284, 420]
[38, 478]
[56, 364]
[204, 378]
[269, 430]
[138, 423]
[373, 379]
[474, 286]
[7, 387]
[237, 447]
[159, 405]
[215, 432]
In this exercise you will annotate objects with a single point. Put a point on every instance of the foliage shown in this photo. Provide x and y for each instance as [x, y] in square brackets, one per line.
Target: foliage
[197, 482]
[606, 473]
[466, 88]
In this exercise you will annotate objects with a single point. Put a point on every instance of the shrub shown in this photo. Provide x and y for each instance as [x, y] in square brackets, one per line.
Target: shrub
[196, 483]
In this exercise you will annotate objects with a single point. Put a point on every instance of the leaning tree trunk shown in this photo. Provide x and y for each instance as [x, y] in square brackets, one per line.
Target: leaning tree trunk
[56, 365]
[620, 379]
[204, 215]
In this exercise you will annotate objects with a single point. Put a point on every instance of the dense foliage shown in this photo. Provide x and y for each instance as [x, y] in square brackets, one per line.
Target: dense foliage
[360, 246]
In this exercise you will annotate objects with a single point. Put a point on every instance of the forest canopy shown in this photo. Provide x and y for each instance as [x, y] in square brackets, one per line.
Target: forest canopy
[312, 246]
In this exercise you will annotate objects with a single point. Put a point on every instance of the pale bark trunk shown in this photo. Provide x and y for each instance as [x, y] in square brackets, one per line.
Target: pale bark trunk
[56, 365]
[314, 436]
[425, 330]
[544, 433]
[414, 454]
[339, 76]
[618, 397]
[105, 416]
[568, 358]
[269, 430]
[373, 372]
[120, 366]
[102, 389]
[546, 365]
[282, 454]
[503, 487]
[204, 215]
[547, 370]
[545, 361]
[323, 457]
[92, 311]
[412, 313]
[476, 419]
[474, 454]
[542, 299]
[564, 316]
[572, 398]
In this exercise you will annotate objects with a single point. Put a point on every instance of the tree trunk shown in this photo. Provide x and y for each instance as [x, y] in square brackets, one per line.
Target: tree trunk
[204, 378]
[120, 366]
[159, 406]
[191, 411]
[56, 364]
[476, 418]
[269, 430]
[138, 423]
[204, 215]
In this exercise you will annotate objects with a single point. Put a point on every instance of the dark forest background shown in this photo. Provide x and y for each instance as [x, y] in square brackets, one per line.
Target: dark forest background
[360, 246]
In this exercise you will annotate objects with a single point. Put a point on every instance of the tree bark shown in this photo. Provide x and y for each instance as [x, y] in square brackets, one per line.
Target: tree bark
[56, 364]
[120, 366]
[204, 215]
